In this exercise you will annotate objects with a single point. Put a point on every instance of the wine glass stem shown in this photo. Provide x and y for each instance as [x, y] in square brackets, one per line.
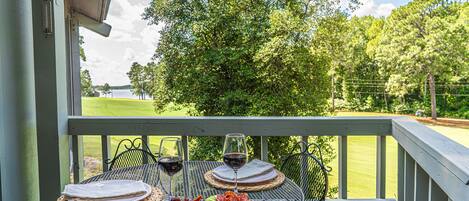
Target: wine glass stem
[236, 181]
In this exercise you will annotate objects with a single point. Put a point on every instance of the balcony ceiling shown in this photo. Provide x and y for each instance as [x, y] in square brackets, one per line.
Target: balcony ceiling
[95, 9]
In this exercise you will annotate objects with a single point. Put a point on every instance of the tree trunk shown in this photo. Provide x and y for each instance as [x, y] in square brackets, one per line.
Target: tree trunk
[431, 83]
[333, 94]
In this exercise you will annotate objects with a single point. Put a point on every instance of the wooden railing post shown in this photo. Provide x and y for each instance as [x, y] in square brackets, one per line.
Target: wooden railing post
[77, 158]
[381, 167]
[264, 148]
[421, 184]
[409, 176]
[146, 142]
[436, 193]
[304, 165]
[400, 172]
[105, 151]
[185, 146]
[343, 167]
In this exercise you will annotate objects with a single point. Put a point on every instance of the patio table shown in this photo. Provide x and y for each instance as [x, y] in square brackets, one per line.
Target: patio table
[190, 182]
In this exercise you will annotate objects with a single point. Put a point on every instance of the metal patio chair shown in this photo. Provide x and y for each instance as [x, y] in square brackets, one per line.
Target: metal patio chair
[307, 171]
[133, 155]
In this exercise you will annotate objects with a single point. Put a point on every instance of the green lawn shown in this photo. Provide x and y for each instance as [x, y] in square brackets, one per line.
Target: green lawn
[123, 107]
[361, 150]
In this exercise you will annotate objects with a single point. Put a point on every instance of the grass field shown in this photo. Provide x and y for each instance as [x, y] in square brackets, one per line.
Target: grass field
[361, 150]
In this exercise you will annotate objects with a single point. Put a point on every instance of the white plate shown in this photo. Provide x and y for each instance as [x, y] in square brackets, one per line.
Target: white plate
[257, 179]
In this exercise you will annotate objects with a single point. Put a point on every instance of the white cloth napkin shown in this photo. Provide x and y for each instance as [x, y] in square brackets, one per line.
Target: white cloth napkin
[252, 169]
[105, 189]
[251, 180]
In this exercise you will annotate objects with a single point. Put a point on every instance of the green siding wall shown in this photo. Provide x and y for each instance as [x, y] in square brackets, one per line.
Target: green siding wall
[18, 146]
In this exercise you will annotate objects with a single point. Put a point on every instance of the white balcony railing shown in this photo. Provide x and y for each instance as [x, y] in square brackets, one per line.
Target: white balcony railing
[430, 165]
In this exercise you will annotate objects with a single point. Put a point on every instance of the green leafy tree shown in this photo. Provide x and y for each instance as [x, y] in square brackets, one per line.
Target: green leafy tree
[361, 80]
[137, 80]
[422, 42]
[149, 75]
[329, 43]
[86, 84]
[81, 41]
[241, 58]
[106, 89]
[85, 78]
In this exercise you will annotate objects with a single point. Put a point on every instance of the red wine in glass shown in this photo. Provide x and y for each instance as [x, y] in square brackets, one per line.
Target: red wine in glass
[171, 165]
[235, 160]
[170, 160]
[235, 154]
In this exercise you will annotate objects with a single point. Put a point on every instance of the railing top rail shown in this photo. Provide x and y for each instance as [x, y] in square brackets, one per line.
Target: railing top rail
[444, 160]
[219, 126]
[449, 153]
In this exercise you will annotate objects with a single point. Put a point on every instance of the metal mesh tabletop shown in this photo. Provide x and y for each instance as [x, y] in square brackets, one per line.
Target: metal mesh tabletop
[190, 182]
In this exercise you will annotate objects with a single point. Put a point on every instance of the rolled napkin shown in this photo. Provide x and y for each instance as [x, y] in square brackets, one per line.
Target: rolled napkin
[252, 169]
[106, 189]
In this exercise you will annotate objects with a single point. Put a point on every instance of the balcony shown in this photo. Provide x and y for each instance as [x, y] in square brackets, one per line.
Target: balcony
[430, 165]
[40, 115]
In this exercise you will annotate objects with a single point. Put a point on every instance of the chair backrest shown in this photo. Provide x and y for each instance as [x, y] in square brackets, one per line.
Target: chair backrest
[133, 155]
[307, 171]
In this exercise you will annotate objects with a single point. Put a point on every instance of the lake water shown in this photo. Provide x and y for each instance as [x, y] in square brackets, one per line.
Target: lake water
[122, 93]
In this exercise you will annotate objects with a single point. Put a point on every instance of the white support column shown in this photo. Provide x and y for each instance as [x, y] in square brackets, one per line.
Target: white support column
[18, 142]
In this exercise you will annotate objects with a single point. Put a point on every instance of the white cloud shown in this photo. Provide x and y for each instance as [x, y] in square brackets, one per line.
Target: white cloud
[131, 39]
[369, 7]
[129, 54]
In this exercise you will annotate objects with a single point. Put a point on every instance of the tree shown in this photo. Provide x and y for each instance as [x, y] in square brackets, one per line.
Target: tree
[85, 78]
[137, 81]
[421, 41]
[81, 41]
[86, 84]
[240, 58]
[329, 43]
[106, 89]
[149, 77]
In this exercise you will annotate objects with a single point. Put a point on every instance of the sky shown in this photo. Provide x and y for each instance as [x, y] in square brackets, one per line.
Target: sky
[132, 39]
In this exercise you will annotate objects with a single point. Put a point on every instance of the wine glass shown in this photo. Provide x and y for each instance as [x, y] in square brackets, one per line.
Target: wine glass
[235, 154]
[170, 160]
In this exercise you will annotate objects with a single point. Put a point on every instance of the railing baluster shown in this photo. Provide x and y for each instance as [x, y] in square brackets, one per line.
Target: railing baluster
[343, 167]
[264, 148]
[185, 171]
[77, 155]
[436, 193]
[185, 146]
[304, 165]
[146, 142]
[409, 172]
[421, 183]
[400, 172]
[381, 167]
[105, 151]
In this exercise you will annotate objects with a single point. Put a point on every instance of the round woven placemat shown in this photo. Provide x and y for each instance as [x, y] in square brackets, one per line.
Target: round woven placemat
[277, 181]
[156, 195]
